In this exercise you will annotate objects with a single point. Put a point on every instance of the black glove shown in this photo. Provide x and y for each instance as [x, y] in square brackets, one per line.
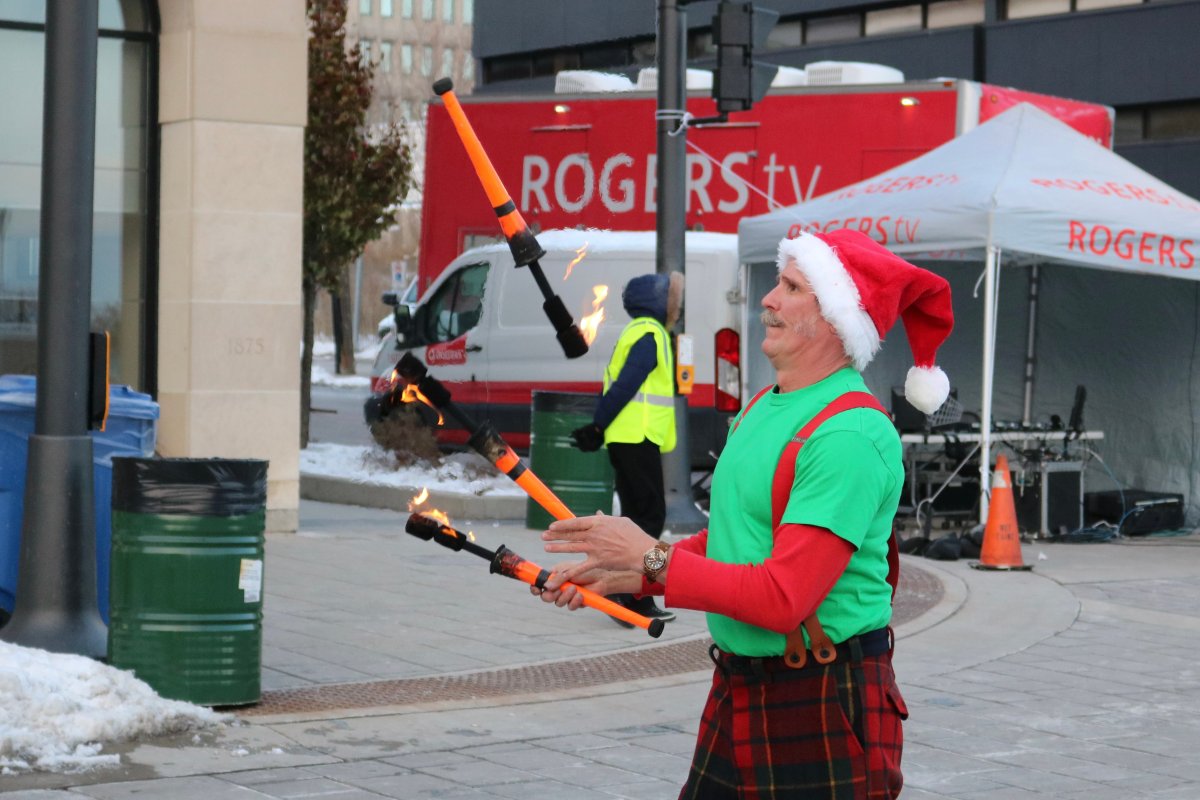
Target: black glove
[589, 438]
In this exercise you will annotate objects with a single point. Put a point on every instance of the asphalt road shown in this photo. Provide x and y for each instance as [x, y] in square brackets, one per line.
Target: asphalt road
[337, 413]
[337, 416]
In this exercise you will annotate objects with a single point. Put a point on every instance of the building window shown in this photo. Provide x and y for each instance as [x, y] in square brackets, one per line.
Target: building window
[406, 9]
[1092, 5]
[1021, 9]
[834, 28]
[1164, 122]
[785, 35]
[604, 55]
[1129, 126]
[364, 50]
[406, 59]
[644, 52]
[553, 62]
[893, 20]
[468, 13]
[1173, 121]
[427, 9]
[385, 57]
[950, 13]
[385, 8]
[447, 62]
[447, 10]
[700, 44]
[364, 8]
[507, 68]
[468, 69]
[123, 257]
[426, 60]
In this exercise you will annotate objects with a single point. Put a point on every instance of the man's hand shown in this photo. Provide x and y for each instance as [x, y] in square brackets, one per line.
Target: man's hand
[589, 438]
[610, 543]
[600, 581]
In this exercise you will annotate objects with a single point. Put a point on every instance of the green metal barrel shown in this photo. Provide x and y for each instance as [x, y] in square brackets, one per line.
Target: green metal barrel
[187, 576]
[583, 481]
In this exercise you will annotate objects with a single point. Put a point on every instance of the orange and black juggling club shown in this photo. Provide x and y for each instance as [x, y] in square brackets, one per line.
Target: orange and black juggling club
[524, 245]
[483, 439]
[506, 562]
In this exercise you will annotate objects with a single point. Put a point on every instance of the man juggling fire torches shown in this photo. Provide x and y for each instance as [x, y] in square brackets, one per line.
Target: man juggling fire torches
[799, 564]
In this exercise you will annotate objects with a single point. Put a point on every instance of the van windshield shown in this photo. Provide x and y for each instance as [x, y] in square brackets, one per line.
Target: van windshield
[456, 306]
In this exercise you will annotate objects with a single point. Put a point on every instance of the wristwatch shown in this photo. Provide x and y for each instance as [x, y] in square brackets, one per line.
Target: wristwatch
[655, 560]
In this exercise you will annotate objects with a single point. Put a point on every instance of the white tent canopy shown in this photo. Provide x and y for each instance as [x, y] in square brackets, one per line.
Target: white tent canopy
[1027, 189]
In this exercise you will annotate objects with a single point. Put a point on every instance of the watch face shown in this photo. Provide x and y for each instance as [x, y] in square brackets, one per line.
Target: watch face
[655, 560]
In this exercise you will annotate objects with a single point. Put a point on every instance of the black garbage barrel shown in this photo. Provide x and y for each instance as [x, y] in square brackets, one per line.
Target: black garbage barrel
[583, 481]
[187, 576]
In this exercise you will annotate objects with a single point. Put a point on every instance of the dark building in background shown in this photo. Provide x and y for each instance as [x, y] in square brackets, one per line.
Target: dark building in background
[1138, 57]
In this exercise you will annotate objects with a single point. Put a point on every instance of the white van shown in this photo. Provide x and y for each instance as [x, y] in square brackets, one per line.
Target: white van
[480, 329]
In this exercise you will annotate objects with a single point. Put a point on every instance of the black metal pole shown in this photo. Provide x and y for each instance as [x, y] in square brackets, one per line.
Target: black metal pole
[56, 607]
[670, 225]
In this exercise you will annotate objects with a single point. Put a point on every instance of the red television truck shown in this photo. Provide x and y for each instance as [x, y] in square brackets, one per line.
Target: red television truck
[588, 162]
[572, 161]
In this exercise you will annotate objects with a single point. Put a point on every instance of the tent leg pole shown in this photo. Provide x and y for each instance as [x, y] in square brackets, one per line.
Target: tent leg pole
[985, 414]
[1030, 347]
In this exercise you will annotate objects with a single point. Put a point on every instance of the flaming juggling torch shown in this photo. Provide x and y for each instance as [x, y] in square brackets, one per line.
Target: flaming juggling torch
[524, 245]
[484, 439]
[508, 563]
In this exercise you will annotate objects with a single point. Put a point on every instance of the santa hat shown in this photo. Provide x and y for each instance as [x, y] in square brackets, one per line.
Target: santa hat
[862, 288]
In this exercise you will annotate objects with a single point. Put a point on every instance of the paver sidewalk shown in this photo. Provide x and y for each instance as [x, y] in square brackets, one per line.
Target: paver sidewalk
[1076, 680]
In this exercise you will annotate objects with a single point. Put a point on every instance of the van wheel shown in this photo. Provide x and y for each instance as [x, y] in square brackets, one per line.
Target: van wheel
[407, 434]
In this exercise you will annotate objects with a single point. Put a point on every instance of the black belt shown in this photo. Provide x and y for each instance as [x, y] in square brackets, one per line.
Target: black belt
[872, 643]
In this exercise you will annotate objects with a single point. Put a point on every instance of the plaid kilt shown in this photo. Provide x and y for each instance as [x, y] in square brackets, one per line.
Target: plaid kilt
[830, 732]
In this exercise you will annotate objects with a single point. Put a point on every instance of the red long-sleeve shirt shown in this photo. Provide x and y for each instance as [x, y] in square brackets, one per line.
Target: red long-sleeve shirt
[777, 594]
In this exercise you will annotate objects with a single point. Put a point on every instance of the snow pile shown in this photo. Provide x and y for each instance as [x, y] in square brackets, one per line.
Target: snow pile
[323, 377]
[58, 710]
[460, 473]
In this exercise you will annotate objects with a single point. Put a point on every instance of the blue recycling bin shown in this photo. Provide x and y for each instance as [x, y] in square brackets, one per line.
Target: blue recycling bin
[131, 430]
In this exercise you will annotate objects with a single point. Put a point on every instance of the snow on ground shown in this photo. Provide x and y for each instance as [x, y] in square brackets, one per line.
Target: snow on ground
[460, 473]
[59, 709]
[364, 357]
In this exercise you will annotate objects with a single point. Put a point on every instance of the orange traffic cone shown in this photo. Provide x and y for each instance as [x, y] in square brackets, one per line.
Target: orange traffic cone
[1001, 540]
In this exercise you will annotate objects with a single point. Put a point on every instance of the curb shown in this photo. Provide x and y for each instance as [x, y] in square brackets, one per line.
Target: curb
[396, 498]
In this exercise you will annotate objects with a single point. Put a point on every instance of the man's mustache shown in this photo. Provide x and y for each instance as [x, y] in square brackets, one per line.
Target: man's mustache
[770, 319]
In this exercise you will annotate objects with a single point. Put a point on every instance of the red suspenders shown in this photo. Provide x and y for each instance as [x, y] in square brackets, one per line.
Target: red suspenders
[781, 489]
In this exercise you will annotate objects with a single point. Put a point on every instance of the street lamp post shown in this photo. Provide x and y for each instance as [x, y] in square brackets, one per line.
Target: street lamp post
[56, 607]
[670, 224]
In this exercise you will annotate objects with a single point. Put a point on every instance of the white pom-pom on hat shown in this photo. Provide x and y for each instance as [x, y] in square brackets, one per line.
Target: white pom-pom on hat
[926, 388]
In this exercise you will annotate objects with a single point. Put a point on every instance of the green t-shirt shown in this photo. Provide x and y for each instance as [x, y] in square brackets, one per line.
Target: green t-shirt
[849, 475]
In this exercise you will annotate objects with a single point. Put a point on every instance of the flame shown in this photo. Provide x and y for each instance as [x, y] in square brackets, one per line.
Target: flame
[412, 394]
[419, 499]
[589, 326]
[579, 254]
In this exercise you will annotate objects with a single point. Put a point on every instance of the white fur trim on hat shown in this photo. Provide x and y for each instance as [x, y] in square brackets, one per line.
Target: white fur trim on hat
[836, 293]
[926, 388]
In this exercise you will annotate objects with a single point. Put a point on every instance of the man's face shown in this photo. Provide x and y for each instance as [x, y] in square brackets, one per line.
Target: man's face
[793, 321]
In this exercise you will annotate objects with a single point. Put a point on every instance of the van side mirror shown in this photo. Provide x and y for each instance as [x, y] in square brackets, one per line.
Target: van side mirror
[390, 299]
[404, 322]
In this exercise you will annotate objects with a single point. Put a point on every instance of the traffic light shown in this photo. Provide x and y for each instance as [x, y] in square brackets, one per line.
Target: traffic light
[739, 29]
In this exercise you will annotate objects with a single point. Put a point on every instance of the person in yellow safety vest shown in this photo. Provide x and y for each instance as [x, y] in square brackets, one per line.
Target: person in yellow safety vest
[635, 417]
